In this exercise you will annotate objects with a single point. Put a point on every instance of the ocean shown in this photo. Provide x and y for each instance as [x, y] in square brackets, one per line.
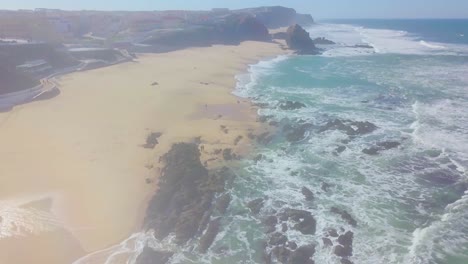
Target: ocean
[383, 140]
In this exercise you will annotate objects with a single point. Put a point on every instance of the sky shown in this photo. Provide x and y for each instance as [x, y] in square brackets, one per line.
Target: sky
[318, 8]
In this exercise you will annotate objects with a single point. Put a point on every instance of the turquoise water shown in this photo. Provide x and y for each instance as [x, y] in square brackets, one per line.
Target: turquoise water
[410, 202]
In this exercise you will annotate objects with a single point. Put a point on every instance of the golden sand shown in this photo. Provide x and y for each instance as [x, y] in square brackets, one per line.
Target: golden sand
[82, 151]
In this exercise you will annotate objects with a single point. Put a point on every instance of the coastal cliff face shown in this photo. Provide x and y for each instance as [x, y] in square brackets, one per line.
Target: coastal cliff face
[299, 40]
[278, 16]
[233, 30]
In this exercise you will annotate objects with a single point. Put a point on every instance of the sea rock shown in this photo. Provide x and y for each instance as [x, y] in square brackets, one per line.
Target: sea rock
[343, 251]
[207, 239]
[345, 216]
[327, 242]
[295, 133]
[264, 138]
[323, 41]
[185, 194]
[278, 239]
[223, 203]
[351, 128]
[227, 154]
[270, 222]
[299, 40]
[332, 232]
[386, 145]
[292, 245]
[151, 256]
[363, 46]
[346, 239]
[309, 195]
[258, 158]
[281, 253]
[291, 105]
[305, 222]
[256, 205]
[345, 261]
[302, 255]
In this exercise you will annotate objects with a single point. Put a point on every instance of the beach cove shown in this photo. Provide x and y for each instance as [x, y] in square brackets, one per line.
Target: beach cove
[75, 168]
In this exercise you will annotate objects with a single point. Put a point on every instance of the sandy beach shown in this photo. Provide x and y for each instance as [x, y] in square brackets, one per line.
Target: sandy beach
[74, 170]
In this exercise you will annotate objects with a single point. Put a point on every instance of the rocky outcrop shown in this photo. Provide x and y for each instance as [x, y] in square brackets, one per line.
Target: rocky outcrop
[381, 146]
[299, 40]
[151, 256]
[185, 196]
[291, 105]
[351, 128]
[323, 41]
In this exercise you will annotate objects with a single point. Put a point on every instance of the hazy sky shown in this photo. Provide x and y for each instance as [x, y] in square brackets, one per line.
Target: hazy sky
[318, 8]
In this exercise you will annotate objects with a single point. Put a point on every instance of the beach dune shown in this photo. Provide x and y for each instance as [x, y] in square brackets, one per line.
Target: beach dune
[83, 150]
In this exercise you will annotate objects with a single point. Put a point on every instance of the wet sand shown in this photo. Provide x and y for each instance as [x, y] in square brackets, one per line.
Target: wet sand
[82, 150]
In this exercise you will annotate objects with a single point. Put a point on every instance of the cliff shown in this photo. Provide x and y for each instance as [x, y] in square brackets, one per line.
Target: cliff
[278, 16]
[233, 30]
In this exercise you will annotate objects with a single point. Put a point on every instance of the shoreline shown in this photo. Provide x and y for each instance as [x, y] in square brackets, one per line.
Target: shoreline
[214, 87]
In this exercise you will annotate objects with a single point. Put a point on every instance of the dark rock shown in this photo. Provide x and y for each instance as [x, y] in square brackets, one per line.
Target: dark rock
[284, 227]
[440, 177]
[340, 149]
[185, 194]
[151, 256]
[154, 84]
[306, 223]
[264, 138]
[386, 145]
[344, 215]
[309, 195]
[327, 242]
[323, 41]
[371, 151]
[346, 261]
[325, 186]
[256, 205]
[341, 251]
[351, 128]
[207, 239]
[270, 222]
[364, 46]
[258, 158]
[223, 203]
[278, 239]
[273, 123]
[290, 105]
[292, 245]
[296, 133]
[299, 40]
[264, 118]
[346, 240]
[332, 232]
[302, 255]
[281, 253]
[237, 140]
[227, 154]
[152, 140]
